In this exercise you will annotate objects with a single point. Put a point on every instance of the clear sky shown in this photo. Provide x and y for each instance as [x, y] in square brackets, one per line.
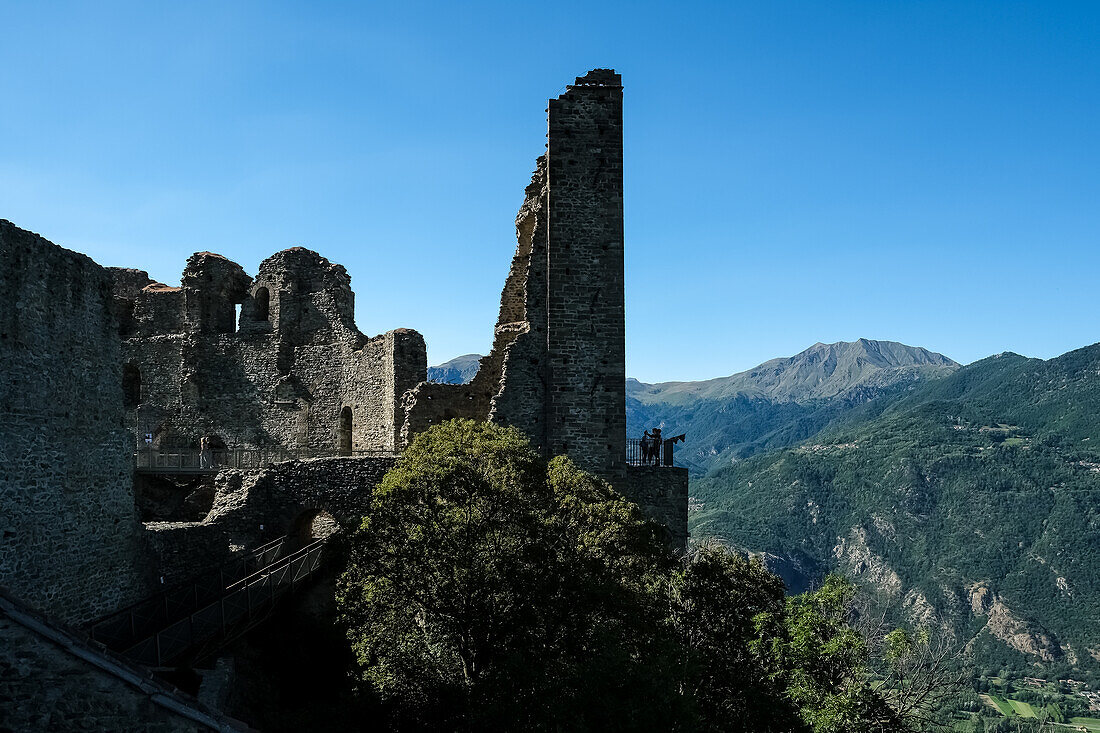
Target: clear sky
[927, 172]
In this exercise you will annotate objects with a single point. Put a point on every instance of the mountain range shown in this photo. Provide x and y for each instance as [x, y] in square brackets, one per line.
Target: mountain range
[970, 501]
[779, 402]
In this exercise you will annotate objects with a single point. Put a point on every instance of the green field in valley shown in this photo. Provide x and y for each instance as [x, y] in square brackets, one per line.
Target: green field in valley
[1002, 705]
[1090, 723]
[1023, 709]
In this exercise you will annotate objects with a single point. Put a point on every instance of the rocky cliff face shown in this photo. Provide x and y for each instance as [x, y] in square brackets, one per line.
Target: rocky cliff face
[1026, 637]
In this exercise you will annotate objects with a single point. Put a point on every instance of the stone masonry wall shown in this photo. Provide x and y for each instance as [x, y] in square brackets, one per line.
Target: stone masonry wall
[54, 680]
[69, 531]
[586, 326]
[253, 508]
[662, 493]
[288, 373]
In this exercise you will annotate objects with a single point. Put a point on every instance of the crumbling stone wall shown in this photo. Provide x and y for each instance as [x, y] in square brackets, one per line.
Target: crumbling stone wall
[558, 362]
[293, 371]
[69, 531]
[250, 509]
[557, 369]
[518, 343]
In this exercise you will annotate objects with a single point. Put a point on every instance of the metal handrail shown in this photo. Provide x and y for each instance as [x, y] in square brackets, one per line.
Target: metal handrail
[642, 452]
[212, 461]
[238, 606]
[126, 625]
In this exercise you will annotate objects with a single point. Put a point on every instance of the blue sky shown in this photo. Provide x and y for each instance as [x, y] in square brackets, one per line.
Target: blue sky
[927, 172]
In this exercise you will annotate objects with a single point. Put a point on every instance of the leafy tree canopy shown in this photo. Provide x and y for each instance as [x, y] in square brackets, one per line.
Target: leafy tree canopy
[489, 589]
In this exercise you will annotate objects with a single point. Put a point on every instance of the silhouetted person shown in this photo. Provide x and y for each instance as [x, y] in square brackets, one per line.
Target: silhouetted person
[655, 447]
[647, 441]
[206, 453]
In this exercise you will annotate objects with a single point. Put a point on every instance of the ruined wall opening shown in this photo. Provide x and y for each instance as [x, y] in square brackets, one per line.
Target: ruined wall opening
[131, 386]
[262, 309]
[343, 434]
[312, 525]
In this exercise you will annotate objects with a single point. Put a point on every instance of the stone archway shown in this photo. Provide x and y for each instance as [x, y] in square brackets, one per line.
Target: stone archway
[311, 525]
[343, 434]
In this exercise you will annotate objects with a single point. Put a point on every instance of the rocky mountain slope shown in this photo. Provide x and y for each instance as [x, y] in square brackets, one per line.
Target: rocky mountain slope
[779, 402]
[459, 370]
[972, 501]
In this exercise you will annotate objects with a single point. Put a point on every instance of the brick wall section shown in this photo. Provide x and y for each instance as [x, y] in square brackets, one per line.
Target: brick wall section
[69, 531]
[586, 327]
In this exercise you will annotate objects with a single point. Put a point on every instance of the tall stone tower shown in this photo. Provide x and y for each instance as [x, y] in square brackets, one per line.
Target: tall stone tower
[586, 328]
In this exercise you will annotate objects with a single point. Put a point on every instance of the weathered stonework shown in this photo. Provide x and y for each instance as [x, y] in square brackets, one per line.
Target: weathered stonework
[662, 492]
[54, 680]
[557, 368]
[251, 508]
[69, 532]
[293, 372]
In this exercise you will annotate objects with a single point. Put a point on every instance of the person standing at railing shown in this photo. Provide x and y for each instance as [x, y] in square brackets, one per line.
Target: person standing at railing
[206, 453]
[644, 444]
[655, 447]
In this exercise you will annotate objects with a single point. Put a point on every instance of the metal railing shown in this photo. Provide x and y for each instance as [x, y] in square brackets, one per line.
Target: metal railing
[125, 627]
[192, 620]
[643, 452]
[212, 461]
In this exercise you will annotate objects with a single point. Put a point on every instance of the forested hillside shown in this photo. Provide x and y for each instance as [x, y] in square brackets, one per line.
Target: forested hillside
[974, 499]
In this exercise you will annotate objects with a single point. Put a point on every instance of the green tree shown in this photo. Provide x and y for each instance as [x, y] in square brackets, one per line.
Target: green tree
[715, 599]
[488, 588]
[820, 661]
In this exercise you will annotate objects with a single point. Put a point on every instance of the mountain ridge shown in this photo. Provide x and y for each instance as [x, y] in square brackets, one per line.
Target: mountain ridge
[972, 499]
[459, 370]
[779, 402]
[820, 371]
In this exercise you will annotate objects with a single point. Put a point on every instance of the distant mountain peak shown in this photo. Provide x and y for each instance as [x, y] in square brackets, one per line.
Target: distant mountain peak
[459, 370]
[819, 372]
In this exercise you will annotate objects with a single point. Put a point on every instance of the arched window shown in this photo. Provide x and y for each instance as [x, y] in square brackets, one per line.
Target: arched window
[343, 437]
[312, 524]
[131, 385]
[262, 307]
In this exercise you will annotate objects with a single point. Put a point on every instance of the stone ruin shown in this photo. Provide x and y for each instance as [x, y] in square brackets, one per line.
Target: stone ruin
[102, 364]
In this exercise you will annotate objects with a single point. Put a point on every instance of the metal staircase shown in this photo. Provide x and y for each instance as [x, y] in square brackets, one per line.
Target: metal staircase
[188, 622]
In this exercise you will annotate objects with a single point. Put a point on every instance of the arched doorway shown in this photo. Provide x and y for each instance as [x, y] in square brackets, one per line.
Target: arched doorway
[312, 525]
[343, 435]
[131, 386]
[262, 308]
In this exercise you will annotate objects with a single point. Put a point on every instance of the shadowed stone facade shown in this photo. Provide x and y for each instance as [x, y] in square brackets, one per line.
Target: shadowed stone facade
[54, 680]
[251, 508]
[292, 371]
[69, 532]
